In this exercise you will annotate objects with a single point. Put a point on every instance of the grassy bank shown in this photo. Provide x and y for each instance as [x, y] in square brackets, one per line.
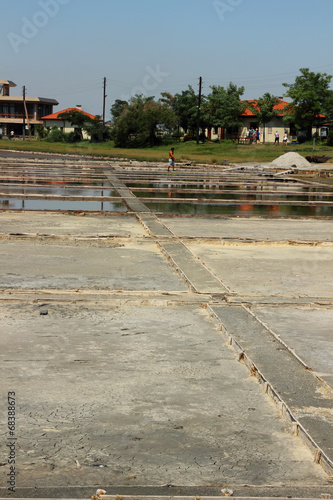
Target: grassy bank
[189, 151]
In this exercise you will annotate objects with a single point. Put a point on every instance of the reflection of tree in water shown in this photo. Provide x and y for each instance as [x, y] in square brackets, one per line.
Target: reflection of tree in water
[244, 209]
[7, 203]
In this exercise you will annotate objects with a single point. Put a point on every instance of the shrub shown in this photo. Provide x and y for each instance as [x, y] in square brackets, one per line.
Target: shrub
[100, 135]
[228, 141]
[301, 138]
[56, 135]
[178, 134]
[41, 131]
[72, 137]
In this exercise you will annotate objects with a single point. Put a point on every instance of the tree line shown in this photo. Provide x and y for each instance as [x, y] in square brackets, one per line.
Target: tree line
[145, 121]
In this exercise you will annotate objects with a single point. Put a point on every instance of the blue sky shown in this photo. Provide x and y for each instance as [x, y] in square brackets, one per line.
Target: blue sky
[64, 48]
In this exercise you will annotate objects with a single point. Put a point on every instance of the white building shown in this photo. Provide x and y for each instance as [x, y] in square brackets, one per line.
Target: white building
[54, 120]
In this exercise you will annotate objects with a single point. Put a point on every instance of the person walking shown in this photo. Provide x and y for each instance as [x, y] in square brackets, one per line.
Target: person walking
[257, 135]
[171, 159]
[285, 138]
[277, 138]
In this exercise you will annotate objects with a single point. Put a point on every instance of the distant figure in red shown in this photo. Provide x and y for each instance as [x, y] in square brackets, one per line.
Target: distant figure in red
[257, 135]
[171, 159]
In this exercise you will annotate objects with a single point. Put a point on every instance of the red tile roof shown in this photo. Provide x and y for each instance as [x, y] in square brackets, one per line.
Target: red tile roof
[55, 116]
[280, 107]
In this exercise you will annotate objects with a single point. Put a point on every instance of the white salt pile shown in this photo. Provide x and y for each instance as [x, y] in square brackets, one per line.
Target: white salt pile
[291, 160]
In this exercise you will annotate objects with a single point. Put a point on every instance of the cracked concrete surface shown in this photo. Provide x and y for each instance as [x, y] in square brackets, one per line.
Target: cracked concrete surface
[138, 395]
[268, 270]
[121, 375]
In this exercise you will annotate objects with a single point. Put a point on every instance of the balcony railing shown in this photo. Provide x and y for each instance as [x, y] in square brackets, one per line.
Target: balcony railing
[17, 115]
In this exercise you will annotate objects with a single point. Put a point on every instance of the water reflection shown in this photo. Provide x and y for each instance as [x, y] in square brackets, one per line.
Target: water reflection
[234, 196]
[242, 209]
[96, 206]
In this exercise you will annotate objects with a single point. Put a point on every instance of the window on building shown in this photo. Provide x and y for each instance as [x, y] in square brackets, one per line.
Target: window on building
[19, 110]
[31, 111]
[47, 110]
[40, 111]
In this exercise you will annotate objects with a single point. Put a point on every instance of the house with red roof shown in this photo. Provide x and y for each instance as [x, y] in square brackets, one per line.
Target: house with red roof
[267, 130]
[250, 122]
[54, 120]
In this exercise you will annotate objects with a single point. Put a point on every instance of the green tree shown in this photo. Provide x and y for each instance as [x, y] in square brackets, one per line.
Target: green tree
[77, 119]
[117, 108]
[185, 106]
[97, 130]
[143, 122]
[309, 94]
[328, 106]
[224, 107]
[263, 109]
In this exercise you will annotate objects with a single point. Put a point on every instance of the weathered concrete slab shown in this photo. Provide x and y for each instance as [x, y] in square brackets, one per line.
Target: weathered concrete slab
[309, 400]
[276, 271]
[69, 225]
[153, 225]
[199, 277]
[253, 229]
[306, 330]
[138, 396]
[94, 266]
[132, 202]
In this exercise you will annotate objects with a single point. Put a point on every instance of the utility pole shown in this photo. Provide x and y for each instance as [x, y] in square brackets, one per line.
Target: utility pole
[24, 106]
[199, 103]
[104, 97]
